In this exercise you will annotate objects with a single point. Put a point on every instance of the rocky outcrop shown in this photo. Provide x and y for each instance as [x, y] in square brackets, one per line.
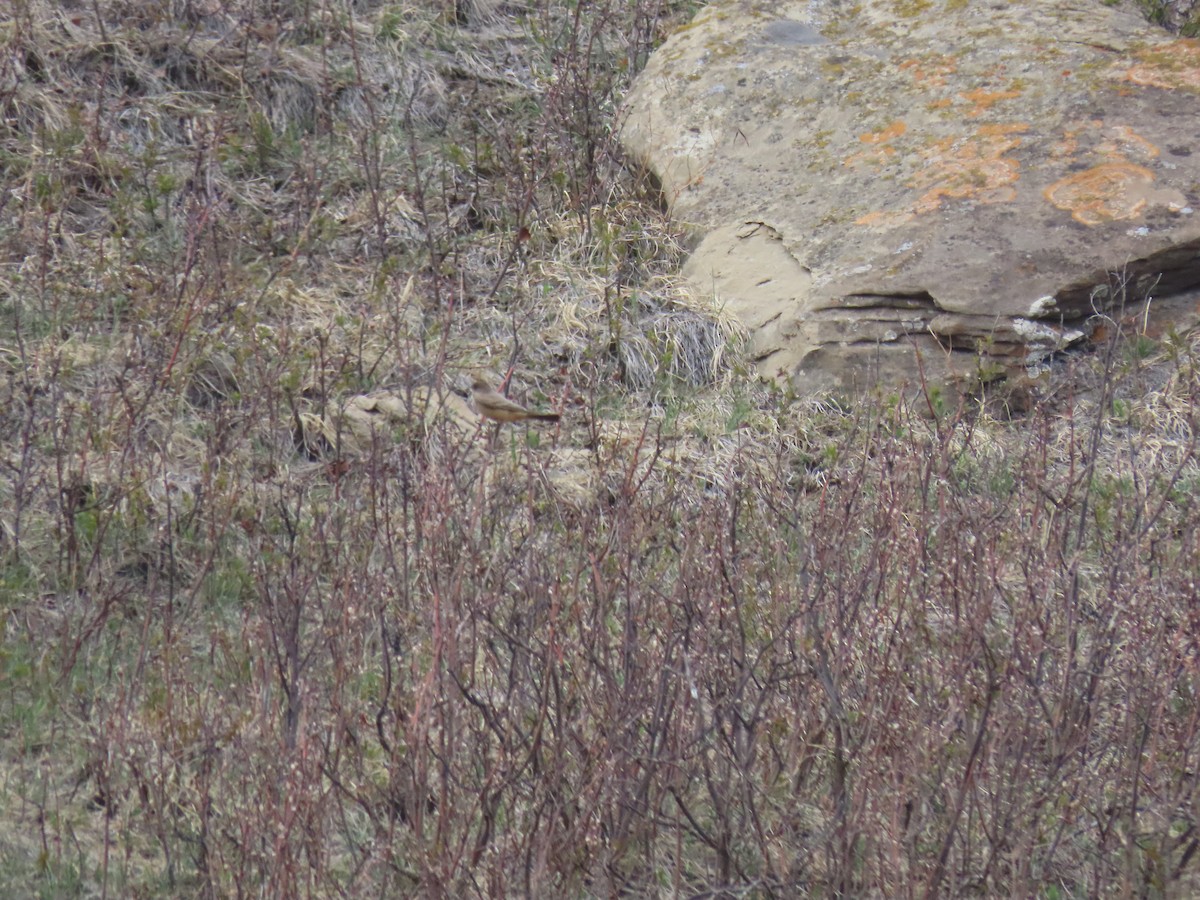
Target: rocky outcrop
[902, 188]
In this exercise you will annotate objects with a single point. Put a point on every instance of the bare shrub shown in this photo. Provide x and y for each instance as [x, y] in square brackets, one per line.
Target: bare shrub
[280, 617]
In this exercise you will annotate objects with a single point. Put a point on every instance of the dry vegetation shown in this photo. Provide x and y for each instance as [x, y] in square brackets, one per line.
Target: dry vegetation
[278, 618]
[1179, 16]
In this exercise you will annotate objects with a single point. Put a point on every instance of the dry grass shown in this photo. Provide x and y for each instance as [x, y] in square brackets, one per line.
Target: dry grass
[281, 617]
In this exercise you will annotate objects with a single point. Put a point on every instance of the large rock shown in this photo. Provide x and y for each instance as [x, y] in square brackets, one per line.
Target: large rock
[956, 178]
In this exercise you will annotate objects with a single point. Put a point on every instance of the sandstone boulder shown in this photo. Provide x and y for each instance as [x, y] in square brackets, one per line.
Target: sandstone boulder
[896, 188]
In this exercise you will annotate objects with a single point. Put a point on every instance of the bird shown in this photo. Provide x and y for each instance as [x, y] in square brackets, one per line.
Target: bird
[493, 405]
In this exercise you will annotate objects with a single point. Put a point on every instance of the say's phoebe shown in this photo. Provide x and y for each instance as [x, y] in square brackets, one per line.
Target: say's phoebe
[495, 406]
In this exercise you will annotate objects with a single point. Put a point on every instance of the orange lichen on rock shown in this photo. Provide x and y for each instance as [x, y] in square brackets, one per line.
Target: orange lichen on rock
[884, 135]
[875, 156]
[1171, 66]
[1104, 193]
[877, 141]
[1002, 129]
[977, 169]
[883, 219]
[1124, 140]
[1067, 147]
[985, 100]
[931, 71]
